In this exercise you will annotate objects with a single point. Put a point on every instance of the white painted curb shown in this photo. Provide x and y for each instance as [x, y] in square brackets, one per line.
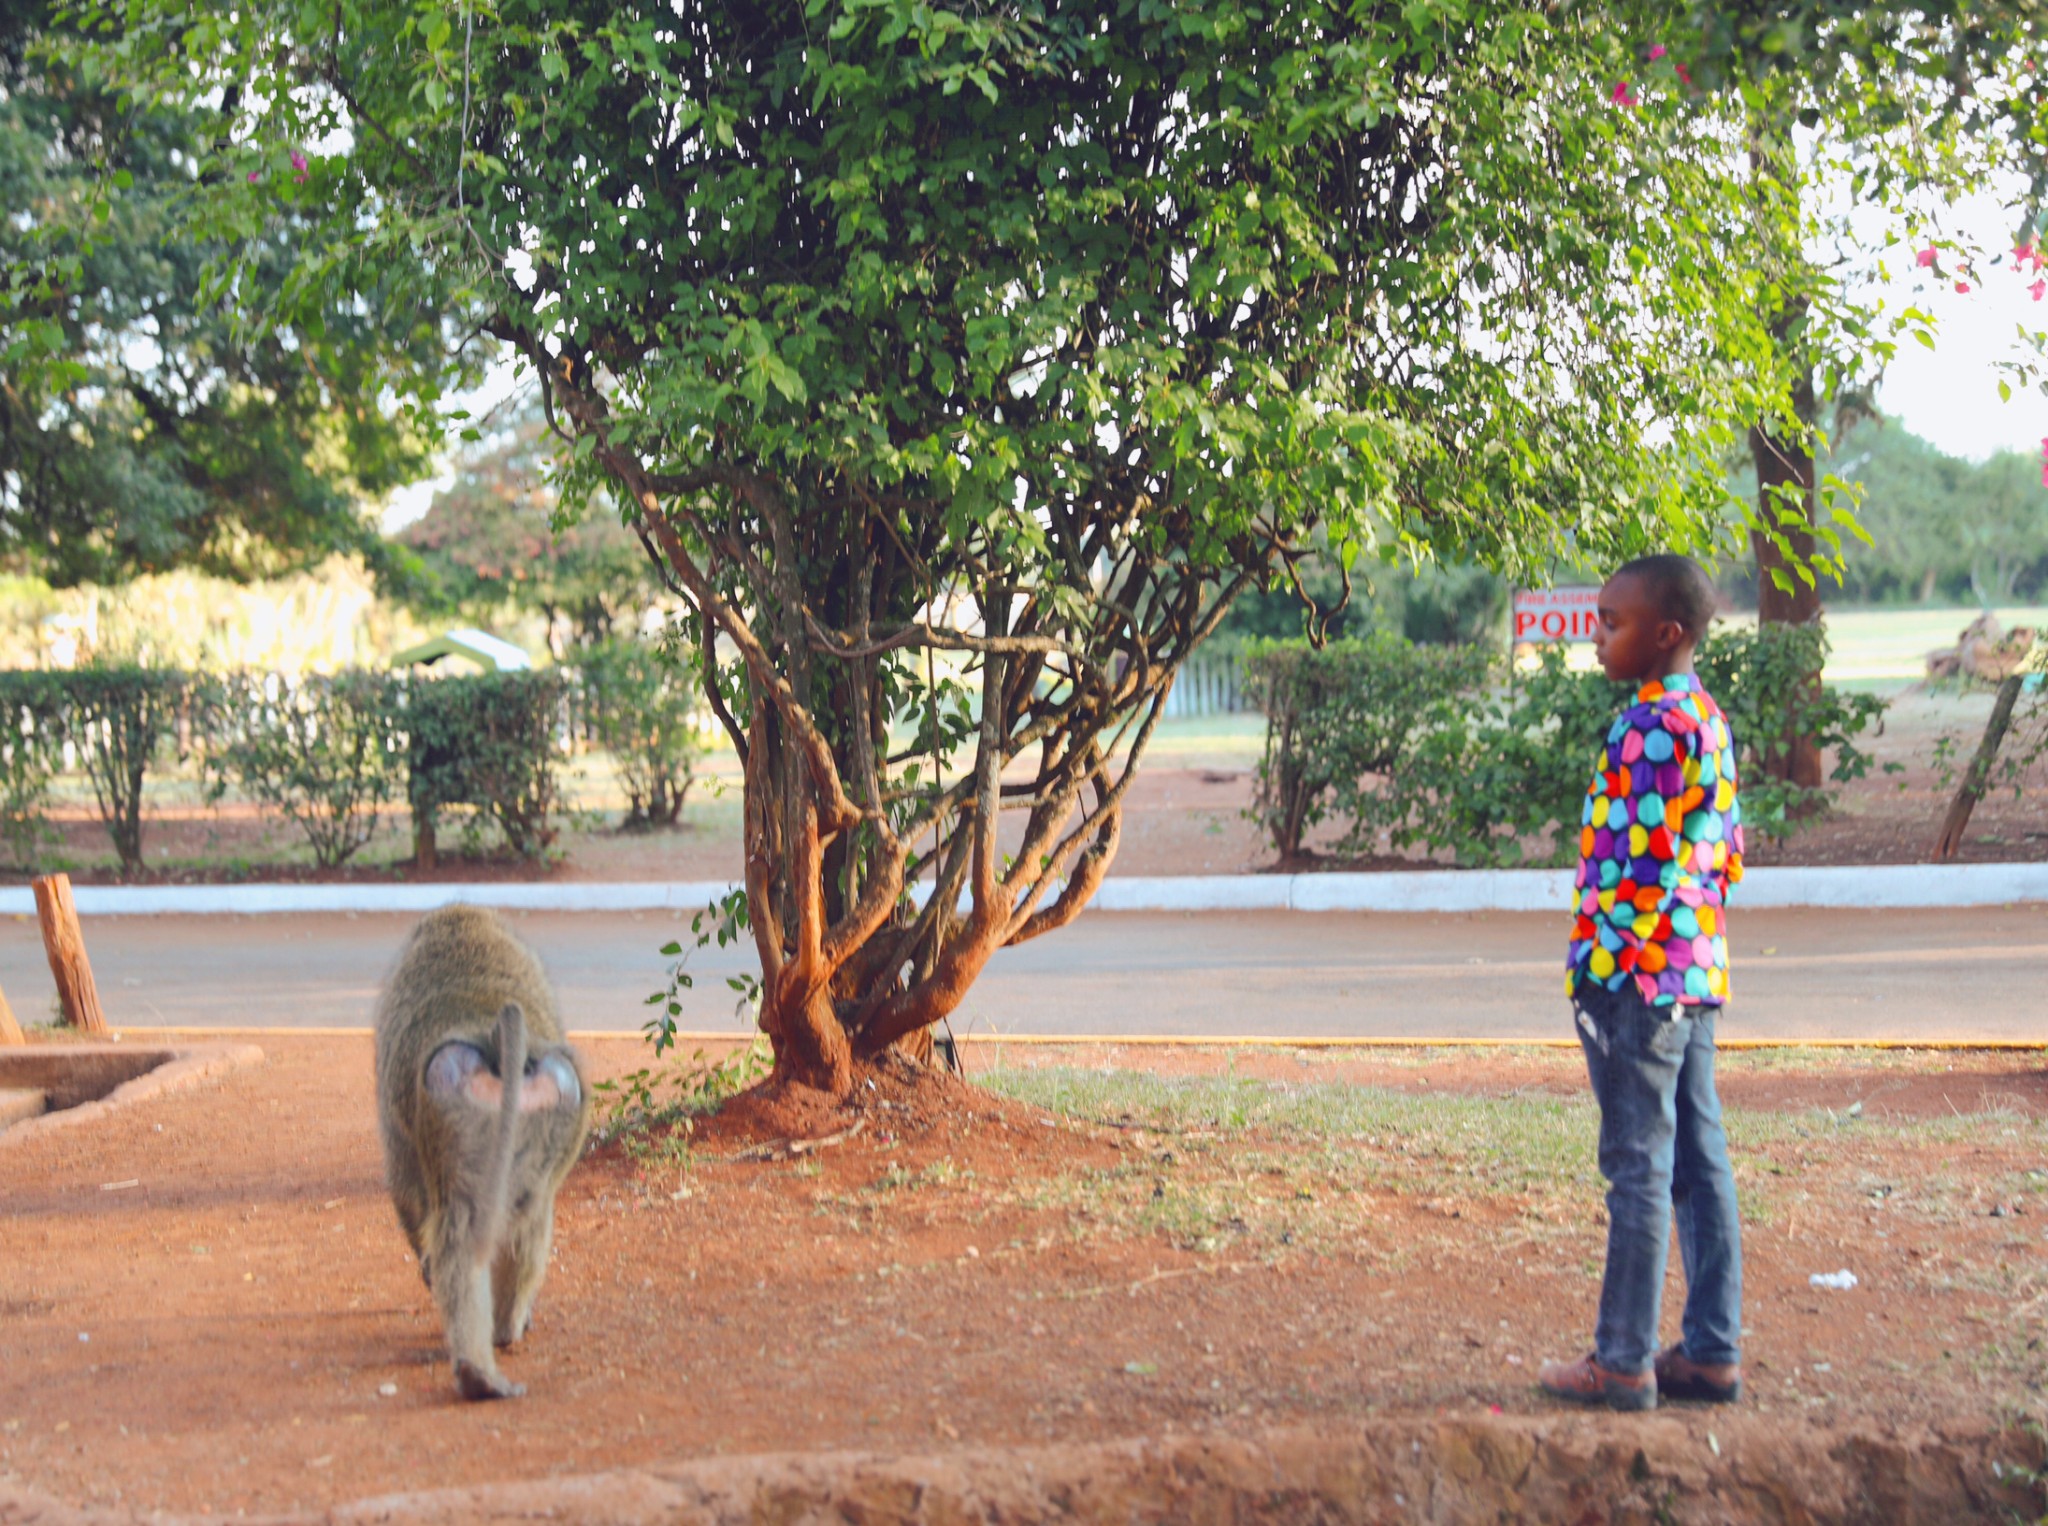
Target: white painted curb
[1880, 887]
[260, 899]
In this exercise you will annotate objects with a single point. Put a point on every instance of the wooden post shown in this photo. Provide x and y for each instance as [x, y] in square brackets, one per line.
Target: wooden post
[65, 945]
[10, 1030]
[1978, 779]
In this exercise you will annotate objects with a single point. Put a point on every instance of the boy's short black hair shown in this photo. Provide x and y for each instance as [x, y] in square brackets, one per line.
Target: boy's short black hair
[1678, 586]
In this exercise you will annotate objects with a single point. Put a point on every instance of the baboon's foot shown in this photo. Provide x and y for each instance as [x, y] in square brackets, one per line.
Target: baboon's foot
[482, 1383]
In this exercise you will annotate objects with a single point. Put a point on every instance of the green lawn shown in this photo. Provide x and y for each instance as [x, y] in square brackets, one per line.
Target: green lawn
[1878, 644]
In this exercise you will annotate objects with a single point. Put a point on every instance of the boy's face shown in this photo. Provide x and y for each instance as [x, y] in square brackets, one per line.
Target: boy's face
[1633, 638]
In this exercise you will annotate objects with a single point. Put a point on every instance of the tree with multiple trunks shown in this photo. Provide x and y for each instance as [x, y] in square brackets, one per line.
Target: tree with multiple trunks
[958, 367]
[141, 427]
[1862, 125]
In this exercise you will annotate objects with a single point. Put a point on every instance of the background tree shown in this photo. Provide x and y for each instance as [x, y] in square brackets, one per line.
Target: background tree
[1941, 528]
[959, 366]
[491, 543]
[1862, 123]
[142, 428]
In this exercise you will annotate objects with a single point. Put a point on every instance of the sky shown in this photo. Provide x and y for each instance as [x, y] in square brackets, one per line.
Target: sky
[1949, 395]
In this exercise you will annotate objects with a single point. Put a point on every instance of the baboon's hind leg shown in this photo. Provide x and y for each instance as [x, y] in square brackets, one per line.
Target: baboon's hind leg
[462, 1288]
[521, 1266]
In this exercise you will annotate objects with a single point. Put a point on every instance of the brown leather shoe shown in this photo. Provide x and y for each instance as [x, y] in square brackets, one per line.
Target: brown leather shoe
[1679, 1377]
[1587, 1382]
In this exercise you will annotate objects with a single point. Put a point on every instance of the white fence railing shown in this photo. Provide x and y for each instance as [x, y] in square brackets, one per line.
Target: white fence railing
[1210, 683]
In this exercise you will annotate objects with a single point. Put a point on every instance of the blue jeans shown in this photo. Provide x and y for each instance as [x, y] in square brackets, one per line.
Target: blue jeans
[1665, 1156]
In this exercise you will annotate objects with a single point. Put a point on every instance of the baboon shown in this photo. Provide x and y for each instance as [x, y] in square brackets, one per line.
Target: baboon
[483, 1111]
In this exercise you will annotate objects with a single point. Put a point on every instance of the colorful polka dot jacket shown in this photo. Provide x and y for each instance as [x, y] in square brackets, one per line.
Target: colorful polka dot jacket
[1659, 845]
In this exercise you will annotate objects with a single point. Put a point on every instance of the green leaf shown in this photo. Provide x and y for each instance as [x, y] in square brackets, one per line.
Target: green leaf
[785, 379]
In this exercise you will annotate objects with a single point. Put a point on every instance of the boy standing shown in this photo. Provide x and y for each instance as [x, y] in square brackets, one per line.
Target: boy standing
[1660, 844]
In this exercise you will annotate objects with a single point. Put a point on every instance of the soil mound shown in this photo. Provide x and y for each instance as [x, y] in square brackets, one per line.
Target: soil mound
[1577, 1468]
[893, 1094]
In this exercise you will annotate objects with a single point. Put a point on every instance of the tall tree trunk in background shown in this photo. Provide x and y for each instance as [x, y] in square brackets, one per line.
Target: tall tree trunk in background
[1786, 501]
[1787, 497]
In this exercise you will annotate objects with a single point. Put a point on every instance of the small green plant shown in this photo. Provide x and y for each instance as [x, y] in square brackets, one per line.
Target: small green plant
[668, 1096]
[2028, 1479]
[2016, 755]
[655, 1096]
[894, 1178]
[723, 921]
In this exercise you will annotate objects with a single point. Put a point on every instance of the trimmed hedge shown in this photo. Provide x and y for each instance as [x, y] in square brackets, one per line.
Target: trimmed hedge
[639, 703]
[1338, 715]
[1441, 748]
[31, 752]
[486, 741]
[118, 719]
[330, 754]
[327, 753]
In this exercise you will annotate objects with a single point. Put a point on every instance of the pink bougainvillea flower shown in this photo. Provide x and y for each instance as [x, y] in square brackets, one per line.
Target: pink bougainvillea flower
[254, 176]
[1925, 256]
[1656, 51]
[1683, 72]
[2038, 290]
[1963, 287]
[298, 165]
[1623, 96]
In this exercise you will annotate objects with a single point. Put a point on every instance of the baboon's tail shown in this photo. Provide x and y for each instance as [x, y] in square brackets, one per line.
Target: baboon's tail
[497, 1184]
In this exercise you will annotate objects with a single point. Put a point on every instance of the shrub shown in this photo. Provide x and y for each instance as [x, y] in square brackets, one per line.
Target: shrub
[31, 748]
[323, 751]
[489, 741]
[118, 717]
[1336, 715]
[1500, 768]
[640, 705]
[1495, 774]
[1762, 679]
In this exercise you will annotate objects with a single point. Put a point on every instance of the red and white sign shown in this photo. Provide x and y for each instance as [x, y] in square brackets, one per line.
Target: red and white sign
[1556, 614]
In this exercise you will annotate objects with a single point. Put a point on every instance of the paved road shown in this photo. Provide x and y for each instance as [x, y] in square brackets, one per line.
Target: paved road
[1926, 975]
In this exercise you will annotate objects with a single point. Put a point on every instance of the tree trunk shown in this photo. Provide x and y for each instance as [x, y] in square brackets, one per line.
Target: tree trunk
[1783, 541]
[10, 1030]
[853, 966]
[1978, 779]
[64, 944]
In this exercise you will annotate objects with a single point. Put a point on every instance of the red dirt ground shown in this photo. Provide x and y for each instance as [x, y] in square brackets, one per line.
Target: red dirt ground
[206, 1305]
